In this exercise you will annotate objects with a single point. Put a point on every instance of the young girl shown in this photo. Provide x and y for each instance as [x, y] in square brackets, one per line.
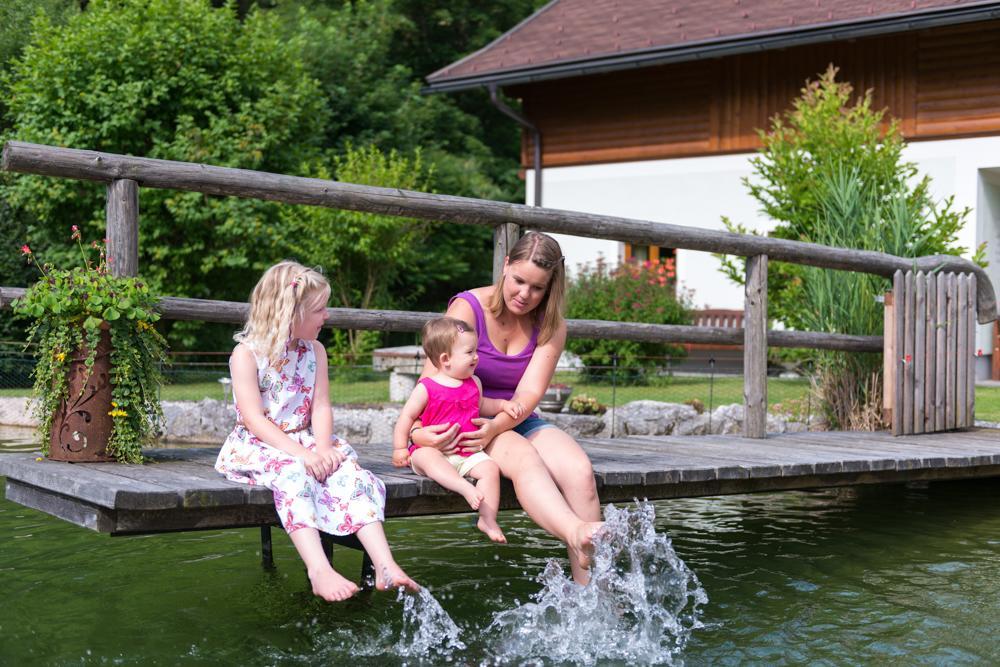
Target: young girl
[284, 439]
[453, 395]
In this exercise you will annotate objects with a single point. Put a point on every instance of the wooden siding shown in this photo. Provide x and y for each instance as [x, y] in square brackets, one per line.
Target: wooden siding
[939, 83]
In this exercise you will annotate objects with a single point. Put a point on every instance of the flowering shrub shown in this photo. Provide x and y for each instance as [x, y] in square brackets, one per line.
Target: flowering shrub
[586, 405]
[632, 292]
[69, 308]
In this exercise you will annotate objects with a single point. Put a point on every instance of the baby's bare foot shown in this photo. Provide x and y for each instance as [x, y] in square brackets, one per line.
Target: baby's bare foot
[582, 541]
[331, 586]
[492, 530]
[473, 496]
[390, 577]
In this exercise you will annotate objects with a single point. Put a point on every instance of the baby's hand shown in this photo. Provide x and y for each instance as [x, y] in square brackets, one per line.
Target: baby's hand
[400, 458]
[512, 408]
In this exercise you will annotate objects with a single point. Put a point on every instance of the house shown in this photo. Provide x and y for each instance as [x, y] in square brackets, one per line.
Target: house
[650, 108]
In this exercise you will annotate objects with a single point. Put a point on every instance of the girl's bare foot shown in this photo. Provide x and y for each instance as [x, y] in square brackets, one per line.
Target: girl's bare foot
[389, 577]
[330, 585]
[473, 496]
[582, 541]
[492, 530]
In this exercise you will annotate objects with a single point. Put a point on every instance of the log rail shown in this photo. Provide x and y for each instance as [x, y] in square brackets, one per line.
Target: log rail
[126, 174]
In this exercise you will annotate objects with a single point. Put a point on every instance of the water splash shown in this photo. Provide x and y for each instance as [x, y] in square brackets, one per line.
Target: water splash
[428, 631]
[641, 604]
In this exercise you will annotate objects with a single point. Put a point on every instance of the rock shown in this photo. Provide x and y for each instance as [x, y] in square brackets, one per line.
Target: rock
[16, 411]
[578, 426]
[208, 420]
[647, 418]
[696, 426]
[727, 419]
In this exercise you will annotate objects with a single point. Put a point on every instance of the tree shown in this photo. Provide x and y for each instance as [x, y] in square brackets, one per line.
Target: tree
[832, 173]
[171, 79]
[361, 253]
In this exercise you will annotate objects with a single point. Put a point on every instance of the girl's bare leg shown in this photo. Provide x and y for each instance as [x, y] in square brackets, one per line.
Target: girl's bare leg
[574, 475]
[487, 476]
[388, 574]
[327, 583]
[540, 497]
[429, 462]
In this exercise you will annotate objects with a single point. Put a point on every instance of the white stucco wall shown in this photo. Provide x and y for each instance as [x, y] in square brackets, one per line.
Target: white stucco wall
[698, 191]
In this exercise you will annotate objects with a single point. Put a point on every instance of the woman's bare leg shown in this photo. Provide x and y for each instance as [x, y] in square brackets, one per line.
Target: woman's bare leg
[387, 573]
[574, 475]
[327, 583]
[540, 497]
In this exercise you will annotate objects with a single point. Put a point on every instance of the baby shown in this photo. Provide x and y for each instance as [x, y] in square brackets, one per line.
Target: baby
[453, 395]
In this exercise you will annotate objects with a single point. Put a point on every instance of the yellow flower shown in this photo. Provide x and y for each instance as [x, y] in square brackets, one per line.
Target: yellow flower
[118, 413]
[39, 458]
[60, 356]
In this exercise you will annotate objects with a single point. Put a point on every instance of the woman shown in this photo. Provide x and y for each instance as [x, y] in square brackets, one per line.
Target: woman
[521, 336]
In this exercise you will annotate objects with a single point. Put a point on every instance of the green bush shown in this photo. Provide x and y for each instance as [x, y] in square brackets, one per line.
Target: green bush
[632, 292]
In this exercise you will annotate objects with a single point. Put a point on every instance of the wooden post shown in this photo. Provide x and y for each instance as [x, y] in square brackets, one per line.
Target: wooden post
[908, 335]
[941, 372]
[919, 350]
[504, 238]
[123, 227]
[930, 352]
[962, 351]
[970, 397]
[899, 331]
[888, 358]
[755, 349]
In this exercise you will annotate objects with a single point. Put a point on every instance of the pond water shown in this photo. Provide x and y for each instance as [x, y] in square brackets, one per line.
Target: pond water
[860, 575]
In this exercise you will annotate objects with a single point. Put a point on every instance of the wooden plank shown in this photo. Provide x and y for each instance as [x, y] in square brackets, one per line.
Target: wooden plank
[899, 329]
[122, 219]
[930, 354]
[941, 371]
[755, 348]
[919, 350]
[93, 486]
[92, 165]
[951, 350]
[962, 351]
[888, 355]
[972, 354]
[66, 508]
[909, 325]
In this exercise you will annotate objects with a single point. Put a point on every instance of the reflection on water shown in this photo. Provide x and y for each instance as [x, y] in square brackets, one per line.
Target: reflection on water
[852, 576]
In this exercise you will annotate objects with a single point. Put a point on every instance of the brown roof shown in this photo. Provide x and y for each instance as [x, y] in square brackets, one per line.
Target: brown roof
[572, 37]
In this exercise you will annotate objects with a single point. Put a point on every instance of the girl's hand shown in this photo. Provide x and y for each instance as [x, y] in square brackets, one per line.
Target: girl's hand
[334, 457]
[513, 408]
[317, 465]
[477, 441]
[443, 437]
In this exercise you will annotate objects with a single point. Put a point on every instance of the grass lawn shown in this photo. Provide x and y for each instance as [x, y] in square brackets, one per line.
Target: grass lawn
[792, 394]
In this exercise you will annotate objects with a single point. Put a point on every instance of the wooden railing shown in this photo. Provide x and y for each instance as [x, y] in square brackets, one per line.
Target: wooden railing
[125, 175]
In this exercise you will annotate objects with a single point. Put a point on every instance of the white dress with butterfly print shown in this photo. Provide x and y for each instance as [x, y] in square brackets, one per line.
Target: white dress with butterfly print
[349, 498]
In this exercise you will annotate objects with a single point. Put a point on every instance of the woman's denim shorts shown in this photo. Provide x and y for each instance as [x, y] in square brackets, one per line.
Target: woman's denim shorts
[530, 425]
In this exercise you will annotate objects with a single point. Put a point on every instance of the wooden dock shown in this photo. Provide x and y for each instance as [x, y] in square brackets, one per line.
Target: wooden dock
[182, 491]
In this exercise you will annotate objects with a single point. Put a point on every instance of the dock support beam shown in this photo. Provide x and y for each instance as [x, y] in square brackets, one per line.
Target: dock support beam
[266, 551]
[755, 349]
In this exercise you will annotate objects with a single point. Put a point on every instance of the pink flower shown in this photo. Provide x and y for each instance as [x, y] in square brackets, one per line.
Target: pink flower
[25, 250]
[979, 352]
[908, 358]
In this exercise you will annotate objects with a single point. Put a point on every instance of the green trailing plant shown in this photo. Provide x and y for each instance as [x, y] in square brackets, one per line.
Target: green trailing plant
[632, 292]
[68, 309]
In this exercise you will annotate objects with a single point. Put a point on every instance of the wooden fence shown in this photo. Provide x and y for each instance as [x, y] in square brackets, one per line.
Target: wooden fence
[124, 176]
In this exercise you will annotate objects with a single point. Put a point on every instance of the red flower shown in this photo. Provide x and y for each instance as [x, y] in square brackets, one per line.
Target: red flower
[76, 233]
[908, 358]
[979, 352]
[25, 250]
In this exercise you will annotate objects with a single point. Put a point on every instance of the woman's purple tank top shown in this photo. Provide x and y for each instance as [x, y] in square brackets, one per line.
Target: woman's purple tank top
[500, 373]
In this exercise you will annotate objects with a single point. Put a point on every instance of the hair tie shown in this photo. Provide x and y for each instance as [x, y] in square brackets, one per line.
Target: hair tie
[461, 329]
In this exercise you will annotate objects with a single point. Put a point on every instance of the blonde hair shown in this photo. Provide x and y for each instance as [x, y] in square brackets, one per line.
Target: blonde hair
[277, 303]
[439, 334]
[544, 252]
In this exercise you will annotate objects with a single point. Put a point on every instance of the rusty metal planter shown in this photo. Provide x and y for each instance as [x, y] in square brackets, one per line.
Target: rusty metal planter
[82, 426]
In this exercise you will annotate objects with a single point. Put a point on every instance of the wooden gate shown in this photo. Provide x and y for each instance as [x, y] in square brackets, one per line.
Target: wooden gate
[930, 352]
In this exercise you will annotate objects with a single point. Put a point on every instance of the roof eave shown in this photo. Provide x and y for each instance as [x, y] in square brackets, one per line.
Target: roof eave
[716, 48]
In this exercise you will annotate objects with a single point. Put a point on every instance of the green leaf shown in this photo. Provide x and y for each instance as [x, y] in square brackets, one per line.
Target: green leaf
[110, 314]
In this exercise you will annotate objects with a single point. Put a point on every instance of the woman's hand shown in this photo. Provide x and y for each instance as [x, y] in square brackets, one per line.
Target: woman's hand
[477, 441]
[443, 437]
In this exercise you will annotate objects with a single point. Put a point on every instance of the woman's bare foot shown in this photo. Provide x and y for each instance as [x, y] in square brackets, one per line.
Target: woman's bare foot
[331, 586]
[391, 576]
[492, 530]
[582, 541]
[473, 496]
